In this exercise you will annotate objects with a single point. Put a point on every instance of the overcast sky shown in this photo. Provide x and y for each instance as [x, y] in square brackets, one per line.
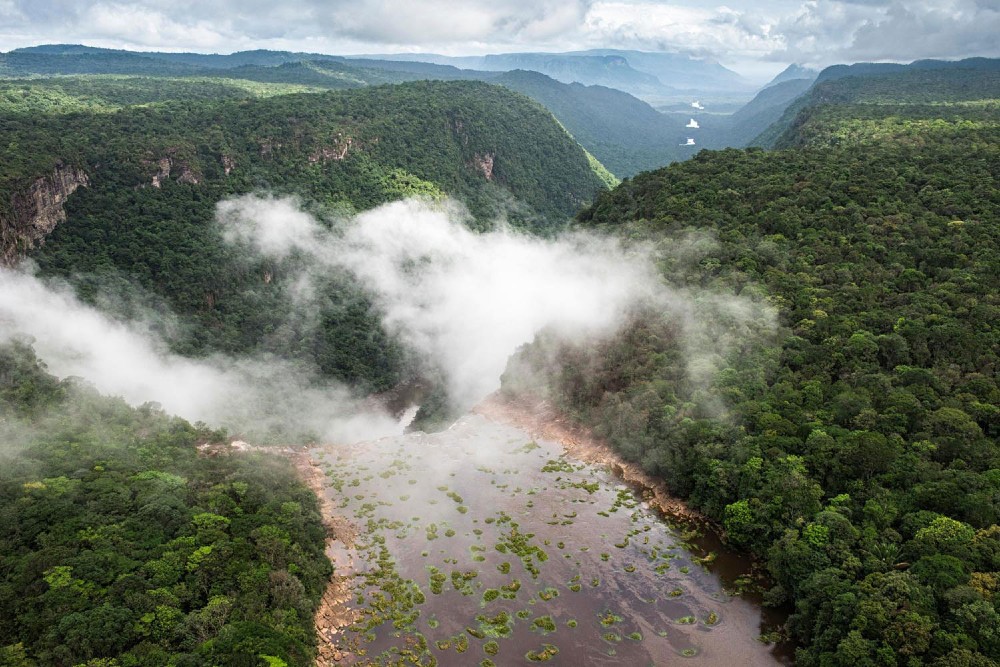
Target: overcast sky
[754, 37]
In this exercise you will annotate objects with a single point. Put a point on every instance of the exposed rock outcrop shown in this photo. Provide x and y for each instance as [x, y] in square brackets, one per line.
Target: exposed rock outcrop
[484, 164]
[338, 151]
[166, 165]
[34, 213]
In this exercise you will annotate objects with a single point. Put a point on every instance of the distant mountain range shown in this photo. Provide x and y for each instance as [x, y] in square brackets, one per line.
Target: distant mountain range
[644, 74]
[647, 75]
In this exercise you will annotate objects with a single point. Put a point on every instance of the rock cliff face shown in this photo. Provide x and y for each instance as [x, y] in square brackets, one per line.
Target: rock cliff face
[35, 212]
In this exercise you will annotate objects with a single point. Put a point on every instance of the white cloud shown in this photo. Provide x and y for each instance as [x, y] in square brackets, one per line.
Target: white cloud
[825, 32]
[668, 27]
[249, 395]
[817, 32]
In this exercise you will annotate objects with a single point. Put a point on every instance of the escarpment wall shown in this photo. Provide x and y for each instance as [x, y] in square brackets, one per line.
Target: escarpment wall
[36, 211]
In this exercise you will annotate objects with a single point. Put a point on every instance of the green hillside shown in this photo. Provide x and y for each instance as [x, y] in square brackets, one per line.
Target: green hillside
[154, 174]
[623, 132]
[121, 545]
[855, 450]
[922, 82]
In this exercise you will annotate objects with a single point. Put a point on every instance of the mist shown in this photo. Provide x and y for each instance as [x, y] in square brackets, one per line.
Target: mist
[261, 396]
[461, 302]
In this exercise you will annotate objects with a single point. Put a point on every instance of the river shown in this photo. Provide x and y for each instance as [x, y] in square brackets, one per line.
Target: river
[481, 545]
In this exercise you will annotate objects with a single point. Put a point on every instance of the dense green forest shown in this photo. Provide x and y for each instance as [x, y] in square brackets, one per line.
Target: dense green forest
[852, 446]
[121, 545]
[930, 82]
[623, 132]
[145, 221]
[855, 450]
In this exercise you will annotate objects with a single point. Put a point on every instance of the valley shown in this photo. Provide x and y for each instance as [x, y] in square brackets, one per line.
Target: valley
[482, 544]
[530, 373]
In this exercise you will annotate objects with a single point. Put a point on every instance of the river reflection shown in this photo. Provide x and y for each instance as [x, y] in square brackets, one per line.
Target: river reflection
[479, 545]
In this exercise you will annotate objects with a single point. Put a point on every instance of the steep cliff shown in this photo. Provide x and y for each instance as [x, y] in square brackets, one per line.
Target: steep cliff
[36, 211]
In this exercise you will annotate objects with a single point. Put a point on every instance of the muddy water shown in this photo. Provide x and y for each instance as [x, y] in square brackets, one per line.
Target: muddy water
[479, 545]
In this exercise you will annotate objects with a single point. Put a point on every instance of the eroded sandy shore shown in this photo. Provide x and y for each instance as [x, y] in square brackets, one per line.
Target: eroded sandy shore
[541, 420]
[334, 612]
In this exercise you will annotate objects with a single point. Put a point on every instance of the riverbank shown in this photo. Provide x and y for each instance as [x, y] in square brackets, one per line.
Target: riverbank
[334, 612]
[541, 420]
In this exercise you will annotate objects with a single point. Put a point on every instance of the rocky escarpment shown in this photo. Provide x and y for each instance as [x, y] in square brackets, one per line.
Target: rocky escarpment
[35, 212]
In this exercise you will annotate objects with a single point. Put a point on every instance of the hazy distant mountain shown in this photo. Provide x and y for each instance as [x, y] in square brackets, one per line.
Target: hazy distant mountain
[881, 69]
[623, 132]
[647, 75]
[760, 113]
[681, 71]
[794, 73]
[919, 83]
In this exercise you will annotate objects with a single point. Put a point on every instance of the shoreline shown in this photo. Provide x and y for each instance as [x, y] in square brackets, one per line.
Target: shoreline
[332, 614]
[541, 420]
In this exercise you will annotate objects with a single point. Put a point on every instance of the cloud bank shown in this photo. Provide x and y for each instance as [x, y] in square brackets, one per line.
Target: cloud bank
[261, 396]
[460, 301]
[739, 33]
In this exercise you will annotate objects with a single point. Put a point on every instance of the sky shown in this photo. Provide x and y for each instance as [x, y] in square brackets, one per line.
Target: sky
[755, 38]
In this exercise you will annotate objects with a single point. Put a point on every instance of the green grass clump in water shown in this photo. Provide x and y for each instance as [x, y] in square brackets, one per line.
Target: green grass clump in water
[571, 623]
[686, 620]
[461, 643]
[635, 636]
[437, 581]
[612, 637]
[504, 567]
[460, 581]
[486, 662]
[491, 647]
[547, 594]
[509, 591]
[490, 594]
[497, 626]
[608, 619]
[544, 624]
[524, 614]
[712, 619]
[547, 652]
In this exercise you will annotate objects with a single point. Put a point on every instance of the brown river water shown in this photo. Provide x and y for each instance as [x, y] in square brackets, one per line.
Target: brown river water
[481, 545]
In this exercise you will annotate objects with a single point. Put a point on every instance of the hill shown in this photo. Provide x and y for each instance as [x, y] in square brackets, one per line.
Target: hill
[921, 82]
[651, 76]
[127, 198]
[623, 132]
[855, 447]
[759, 114]
[121, 541]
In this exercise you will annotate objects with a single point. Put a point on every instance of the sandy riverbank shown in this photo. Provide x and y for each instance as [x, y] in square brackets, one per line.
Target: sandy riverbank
[541, 420]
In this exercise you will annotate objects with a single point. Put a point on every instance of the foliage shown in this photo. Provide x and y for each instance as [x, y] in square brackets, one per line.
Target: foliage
[343, 151]
[858, 453]
[121, 545]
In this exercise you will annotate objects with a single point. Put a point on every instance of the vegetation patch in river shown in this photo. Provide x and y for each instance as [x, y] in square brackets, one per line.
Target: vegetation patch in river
[439, 580]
